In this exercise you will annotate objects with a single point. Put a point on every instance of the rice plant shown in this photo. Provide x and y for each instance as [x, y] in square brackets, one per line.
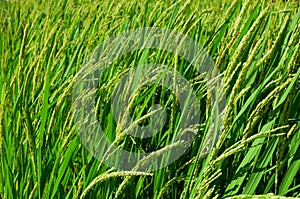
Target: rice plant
[255, 46]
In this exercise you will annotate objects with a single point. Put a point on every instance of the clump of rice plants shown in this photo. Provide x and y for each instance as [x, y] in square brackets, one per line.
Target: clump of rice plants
[255, 45]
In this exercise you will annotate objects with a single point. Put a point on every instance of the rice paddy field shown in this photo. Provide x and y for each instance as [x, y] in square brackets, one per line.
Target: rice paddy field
[251, 150]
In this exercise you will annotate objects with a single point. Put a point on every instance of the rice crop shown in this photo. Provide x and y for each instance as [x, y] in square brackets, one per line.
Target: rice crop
[255, 45]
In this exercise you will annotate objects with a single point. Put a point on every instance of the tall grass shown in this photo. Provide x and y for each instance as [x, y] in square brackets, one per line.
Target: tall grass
[255, 45]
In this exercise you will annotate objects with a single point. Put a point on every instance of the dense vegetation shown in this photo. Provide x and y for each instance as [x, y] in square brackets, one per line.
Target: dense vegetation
[256, 47]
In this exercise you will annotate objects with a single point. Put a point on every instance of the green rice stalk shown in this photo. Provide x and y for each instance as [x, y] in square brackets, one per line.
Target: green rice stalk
[168, 185]
[240, 50]
[106, 176]
[260, 109]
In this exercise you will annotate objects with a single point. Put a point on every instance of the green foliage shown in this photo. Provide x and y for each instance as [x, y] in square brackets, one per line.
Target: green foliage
[255, 44]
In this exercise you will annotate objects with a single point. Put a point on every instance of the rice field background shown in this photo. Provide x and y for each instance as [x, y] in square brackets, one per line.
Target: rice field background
[255, 44]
